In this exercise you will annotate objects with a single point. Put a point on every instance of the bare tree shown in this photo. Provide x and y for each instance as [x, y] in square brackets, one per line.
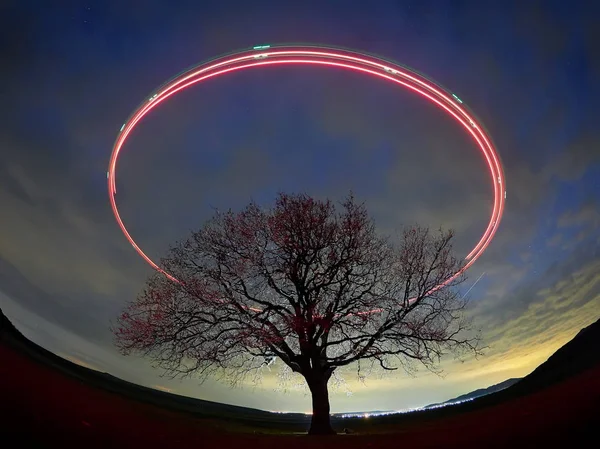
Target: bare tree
[304, 282]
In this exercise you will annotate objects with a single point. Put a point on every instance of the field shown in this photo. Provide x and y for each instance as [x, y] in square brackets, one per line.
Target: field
[43, 406]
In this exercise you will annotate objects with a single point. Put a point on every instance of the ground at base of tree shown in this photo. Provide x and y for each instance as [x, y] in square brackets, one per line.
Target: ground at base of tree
[44, 407]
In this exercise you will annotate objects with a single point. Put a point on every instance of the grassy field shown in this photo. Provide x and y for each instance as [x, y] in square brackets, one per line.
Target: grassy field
[43, 406]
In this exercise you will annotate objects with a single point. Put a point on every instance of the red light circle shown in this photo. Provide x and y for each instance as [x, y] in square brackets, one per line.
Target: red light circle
[265, 56]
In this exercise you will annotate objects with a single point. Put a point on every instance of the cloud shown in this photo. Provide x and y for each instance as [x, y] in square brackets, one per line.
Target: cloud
[587, 215]
[541, 317]
[555, 240]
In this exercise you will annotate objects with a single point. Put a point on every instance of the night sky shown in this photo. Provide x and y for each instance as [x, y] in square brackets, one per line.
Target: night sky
[72, 74]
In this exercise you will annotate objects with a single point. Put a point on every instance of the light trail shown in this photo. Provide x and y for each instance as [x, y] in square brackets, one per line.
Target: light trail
[324, 56]
[474, 284]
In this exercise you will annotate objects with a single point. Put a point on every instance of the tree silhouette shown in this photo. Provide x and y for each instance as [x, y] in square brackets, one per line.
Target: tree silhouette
[316, 287]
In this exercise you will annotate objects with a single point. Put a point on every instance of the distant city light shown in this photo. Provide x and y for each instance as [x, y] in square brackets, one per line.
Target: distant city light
[397, 412]
[367, 415]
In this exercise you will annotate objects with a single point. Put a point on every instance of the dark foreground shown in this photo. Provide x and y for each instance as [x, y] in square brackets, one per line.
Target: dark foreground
[42, 406]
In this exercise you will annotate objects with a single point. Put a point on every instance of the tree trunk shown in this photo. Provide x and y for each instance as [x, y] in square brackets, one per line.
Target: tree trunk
[320, 423]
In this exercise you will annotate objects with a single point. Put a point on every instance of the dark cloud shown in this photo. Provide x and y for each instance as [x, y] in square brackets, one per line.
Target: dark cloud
[513, 305]
[586, 215]
[88, 319]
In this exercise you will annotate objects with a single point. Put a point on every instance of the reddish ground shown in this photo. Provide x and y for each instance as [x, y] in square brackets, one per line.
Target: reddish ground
[41, 405]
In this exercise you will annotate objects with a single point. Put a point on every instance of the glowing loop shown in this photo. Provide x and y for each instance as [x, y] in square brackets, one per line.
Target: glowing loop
[331, 57]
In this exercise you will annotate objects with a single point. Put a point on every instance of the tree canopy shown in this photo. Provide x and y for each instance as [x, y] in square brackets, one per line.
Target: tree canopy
[304, 281]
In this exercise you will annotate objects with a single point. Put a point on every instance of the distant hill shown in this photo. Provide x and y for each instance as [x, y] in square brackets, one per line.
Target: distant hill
[10, 336]
[478, 393]
[575, 357]
[7, 330]
[578, 355]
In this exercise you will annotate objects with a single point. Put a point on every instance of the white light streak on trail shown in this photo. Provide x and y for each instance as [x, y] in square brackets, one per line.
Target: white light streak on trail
[478, 279]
